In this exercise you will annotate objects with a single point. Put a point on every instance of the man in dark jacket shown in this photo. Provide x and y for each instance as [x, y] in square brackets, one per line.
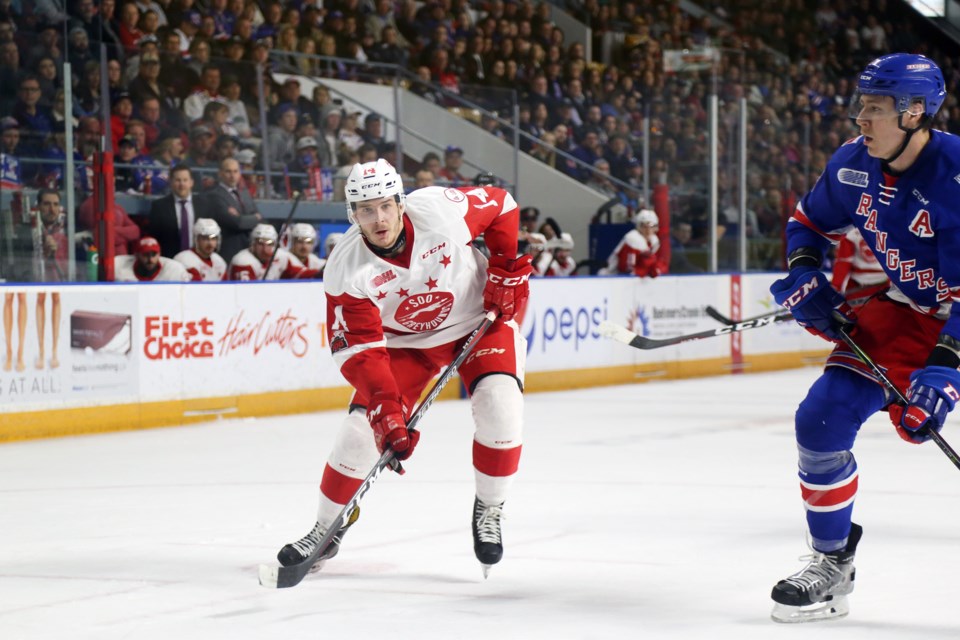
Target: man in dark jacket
[232, 207]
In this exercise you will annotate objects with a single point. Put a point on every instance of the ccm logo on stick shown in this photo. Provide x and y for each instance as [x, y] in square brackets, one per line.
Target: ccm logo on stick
[485, 352]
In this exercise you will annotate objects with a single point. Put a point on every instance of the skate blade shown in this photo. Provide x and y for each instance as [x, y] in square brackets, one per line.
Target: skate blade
[486, 570]
[838, 607]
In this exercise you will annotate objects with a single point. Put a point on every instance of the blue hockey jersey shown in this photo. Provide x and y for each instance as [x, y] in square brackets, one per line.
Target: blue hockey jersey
[911, 222]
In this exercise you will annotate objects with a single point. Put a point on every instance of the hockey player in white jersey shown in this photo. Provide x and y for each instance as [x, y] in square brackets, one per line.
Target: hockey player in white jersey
[636, 253]
[856, 272]
[556, 259]
[251, 263]
[147, 265]
[405, 289]
[302, 241]
[202, 262]
[328, 245]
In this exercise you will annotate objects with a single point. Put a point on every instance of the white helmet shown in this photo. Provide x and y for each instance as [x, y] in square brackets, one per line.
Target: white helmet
[263, 232]
[331, 242]
[303, 231]
[370, 181]
[206, 227]
[647, 216]
[536, 241]
[565, 241]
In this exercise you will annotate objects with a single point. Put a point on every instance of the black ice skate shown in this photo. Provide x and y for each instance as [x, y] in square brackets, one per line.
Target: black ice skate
[487, 541]
[297, 552]
[819, 590]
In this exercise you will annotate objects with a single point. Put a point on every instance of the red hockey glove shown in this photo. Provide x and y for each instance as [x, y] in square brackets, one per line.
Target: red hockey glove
[385, 413]
[508, 285]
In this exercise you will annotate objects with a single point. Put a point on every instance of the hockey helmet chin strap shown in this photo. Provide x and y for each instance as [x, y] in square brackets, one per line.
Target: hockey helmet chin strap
[906, 139]
[393, 250]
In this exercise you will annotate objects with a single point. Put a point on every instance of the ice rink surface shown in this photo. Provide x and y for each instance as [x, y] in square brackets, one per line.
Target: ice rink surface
[660, 510]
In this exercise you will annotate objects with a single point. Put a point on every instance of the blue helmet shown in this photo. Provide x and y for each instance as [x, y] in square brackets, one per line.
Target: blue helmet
[906, 77]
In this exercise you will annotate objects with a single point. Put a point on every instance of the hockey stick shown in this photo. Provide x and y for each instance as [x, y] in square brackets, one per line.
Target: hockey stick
[867, 360]
[778, 316]
[296, 200]
[855, 297]
[282, 577]
[624, 335]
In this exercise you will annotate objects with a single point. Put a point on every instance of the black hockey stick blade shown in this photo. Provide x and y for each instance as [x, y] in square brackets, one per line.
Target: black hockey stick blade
[779, 315]
[277, 577]
[635, 340]
[867, 360]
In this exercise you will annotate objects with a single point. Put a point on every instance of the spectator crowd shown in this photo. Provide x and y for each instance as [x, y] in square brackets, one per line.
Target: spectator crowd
[181, 89]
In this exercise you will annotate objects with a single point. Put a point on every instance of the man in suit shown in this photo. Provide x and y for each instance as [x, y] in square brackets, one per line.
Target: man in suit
[232, 207]
[172, 216]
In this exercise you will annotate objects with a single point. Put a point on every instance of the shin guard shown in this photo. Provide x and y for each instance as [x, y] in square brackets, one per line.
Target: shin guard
[498, 414]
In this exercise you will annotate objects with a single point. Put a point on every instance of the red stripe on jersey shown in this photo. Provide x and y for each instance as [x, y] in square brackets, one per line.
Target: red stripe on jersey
[848, 360]
[496, 462]
[800, 217]
[338, 487]
[832, 495]
[487, 213]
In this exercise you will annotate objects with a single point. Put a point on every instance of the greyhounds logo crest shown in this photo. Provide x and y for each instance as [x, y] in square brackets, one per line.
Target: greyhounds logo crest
[425, 311]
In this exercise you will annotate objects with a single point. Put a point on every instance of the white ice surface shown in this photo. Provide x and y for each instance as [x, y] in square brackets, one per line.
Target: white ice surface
[661, 510]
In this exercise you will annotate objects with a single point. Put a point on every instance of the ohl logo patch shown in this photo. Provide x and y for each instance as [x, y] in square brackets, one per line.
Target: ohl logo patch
[424, 311]
[454, 195]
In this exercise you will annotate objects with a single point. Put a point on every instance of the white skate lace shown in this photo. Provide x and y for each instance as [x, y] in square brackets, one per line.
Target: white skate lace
[308, 543]
[820, 569]
[488, 522]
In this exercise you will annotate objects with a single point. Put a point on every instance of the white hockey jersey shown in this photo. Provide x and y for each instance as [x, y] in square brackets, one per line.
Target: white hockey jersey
[549, 265]
[315, 262]
[285, 266]
[212, 269]
[169, 271]
[635, 255]
[856, 263]
[429, 295]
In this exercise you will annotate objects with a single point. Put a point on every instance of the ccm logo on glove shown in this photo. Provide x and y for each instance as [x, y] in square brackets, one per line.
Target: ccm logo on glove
[932, 395]
[507, 285]
[508, 281]
[386, 416]
[800, 294]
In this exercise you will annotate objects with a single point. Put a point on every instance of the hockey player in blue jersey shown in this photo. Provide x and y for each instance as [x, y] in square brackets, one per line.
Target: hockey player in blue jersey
[899, 184]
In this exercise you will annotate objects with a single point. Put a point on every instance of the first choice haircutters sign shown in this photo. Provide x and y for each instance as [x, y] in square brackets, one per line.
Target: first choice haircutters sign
[91, 358]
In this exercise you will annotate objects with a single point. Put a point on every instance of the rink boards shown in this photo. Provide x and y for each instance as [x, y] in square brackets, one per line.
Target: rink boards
[141, 356]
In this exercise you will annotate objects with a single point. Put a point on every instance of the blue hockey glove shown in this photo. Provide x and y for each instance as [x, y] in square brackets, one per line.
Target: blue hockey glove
[932, 394]
[814, 303]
